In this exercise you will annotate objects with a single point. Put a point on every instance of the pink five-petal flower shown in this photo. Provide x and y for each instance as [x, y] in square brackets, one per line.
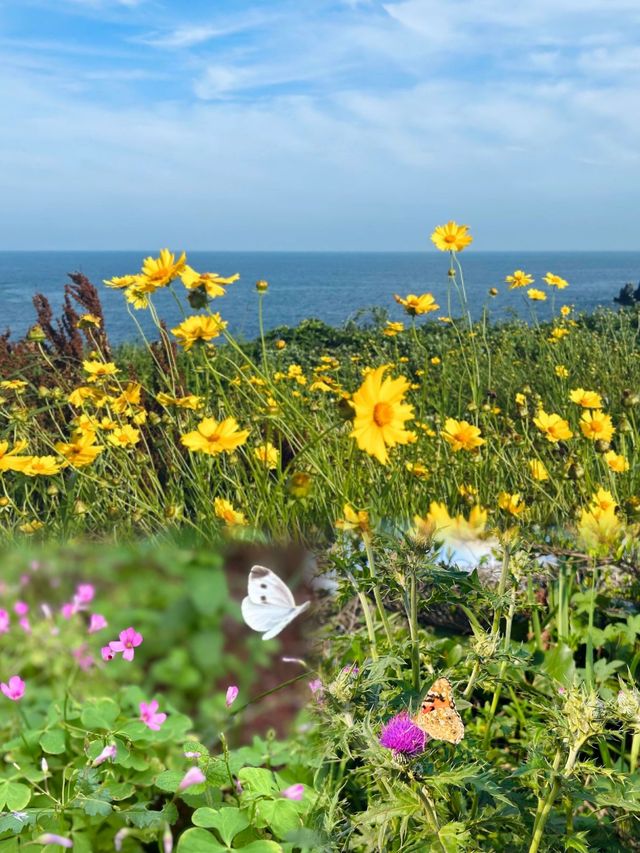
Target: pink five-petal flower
[97, 623]
[294, 792]
[14, 690]
[107, 653]
[129, 639]
[150, 717]
[193, 776]
[232, 695]
[21, 608]
[4, 621]
[84, 593]
[68, 610]
[52, 838]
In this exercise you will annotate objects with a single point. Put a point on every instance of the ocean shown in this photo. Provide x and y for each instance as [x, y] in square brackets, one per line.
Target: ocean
[330, 286]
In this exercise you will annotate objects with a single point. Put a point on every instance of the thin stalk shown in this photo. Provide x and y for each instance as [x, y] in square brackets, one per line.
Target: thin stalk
[592, 607]
[376, 589]
[635, 751]
[364, 603]
[413, 630]
[545, 806]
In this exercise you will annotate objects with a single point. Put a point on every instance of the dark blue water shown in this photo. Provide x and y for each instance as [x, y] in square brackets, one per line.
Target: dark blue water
[331, 286]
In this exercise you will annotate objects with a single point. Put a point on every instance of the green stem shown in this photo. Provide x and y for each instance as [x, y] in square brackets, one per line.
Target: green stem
[376, 589]
[545, 806]
[413, 630]
[592, 607]
[635, 751]
[364, 603]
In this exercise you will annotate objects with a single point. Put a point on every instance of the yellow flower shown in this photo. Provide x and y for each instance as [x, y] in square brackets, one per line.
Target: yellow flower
[99, 369]
[557, 334]
[158, 272]
[599, 529]
[268, 455]
[128, 398]
[415, 305]
[616, 462]
[120, 282]
[451, 237]
[519, 278]
[87, 393]
[565, 310]
[88, 320]
[190, 401]
[41, 466]
[353, 521]
[536, 295]
[125, 436]
[603, 500]
[561, 371]
[461, 435]
[138, 294]
[30, 527]
[380, 414]
[201, 327]
[596, 425]
[586, 399]
[439, 523]
[212, 283]
[392, 329]
[555, 281]
[10, 460]
[435, 360]
[418, 469]
[214, 436]
[224, 510]
[552, 426]
[511, 503]
[280, 344]
[538, 470]
[13, 384]
[81, 450]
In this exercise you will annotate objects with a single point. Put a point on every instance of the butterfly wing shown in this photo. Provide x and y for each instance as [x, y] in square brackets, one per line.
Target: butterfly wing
[269, 607]
[438, 716]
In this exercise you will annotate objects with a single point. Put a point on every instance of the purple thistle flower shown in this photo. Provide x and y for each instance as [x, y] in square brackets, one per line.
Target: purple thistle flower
[401, 735]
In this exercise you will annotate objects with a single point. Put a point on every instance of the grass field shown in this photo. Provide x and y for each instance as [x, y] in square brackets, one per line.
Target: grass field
[470, 491]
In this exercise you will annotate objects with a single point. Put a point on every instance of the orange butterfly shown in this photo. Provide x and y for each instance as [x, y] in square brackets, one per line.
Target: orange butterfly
[438, 716]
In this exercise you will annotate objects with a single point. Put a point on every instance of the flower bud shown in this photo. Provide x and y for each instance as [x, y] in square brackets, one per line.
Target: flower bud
[36, 334]
[262, 286]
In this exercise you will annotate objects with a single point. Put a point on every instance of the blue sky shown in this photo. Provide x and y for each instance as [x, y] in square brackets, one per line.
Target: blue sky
[334, 124]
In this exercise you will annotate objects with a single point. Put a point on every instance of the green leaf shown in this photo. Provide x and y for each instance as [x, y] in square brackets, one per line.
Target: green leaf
[100, 714]
[453, 837]
[262, 847]
[199, 841]
[559, 664]
[53, 742]
[14, 795]
[228, 821]
[257, 780]
[169, 780]
[280, 815]
[94, 806]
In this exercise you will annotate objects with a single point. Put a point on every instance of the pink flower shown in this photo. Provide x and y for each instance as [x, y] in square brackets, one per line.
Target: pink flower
[129, 639]
[21, 608]
[68, 610]
[167, 839]
[232, 695]
[107, 653]
[83, 657]
[107, 752]
[4, 621]
[316, 687]
[150, 717]
[25, 624]
[84, 593]
[119, 837]
[293, 792]
[192, 754]
[193, 776]
[52, 838]
[97, 623]
[14, 690]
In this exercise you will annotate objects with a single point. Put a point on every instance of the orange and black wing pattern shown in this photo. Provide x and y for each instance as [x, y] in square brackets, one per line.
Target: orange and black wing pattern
[438, 716]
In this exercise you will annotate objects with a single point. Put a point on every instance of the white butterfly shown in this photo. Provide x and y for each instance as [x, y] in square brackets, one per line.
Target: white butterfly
[270, 606]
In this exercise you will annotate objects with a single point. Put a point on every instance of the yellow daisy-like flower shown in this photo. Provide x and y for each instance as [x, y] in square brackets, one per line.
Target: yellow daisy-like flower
[536, 295]
[616, 461]
[538, 470]
[557, 334]
[392, 329]
[555, 281]
[553, 427]
[519, 278]
[99, 369]
[586, 399]
[596, 425]
[451, 237]
[122, 281]
[160, 271]
[268, 455]
[561, 371]
[512, 503]
[201, 327]
[125, 436]
[10, 460]
[81, 450]
[41, 466]
[88, 321]
[224, 510]
[416, 305]
[603, 500]
[439, 523]
[215, 437]
[189, 401]
[212, 283]
[565, 310]
[462, 435]
[354, 521]
[380, 414]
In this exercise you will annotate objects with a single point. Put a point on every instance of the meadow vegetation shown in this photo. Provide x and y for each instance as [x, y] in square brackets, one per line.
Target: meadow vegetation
[471, 492]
